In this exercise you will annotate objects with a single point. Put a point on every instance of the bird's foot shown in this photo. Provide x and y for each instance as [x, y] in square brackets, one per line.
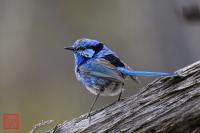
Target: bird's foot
[89, 116]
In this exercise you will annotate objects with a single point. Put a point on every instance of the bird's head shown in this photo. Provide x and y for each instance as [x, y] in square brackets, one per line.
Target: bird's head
[85, 49]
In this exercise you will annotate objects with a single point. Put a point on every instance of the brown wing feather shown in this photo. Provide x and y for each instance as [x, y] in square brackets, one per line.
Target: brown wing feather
[108, 65]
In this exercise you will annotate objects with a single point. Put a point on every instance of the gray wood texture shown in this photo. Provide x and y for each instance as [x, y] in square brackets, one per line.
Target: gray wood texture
[167, 105]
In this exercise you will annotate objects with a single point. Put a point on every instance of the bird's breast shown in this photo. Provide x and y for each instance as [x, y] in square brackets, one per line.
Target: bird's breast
[77, 73]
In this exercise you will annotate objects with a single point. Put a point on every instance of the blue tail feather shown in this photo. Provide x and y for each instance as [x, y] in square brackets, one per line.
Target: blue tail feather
[143, 73]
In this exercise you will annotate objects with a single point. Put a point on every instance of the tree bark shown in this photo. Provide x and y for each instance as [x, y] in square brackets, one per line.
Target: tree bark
[167, 105]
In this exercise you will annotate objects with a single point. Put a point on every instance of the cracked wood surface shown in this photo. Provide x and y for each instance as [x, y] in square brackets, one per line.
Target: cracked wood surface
[168, 104]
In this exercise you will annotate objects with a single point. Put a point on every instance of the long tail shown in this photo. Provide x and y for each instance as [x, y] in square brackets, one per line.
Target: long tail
[143, 73]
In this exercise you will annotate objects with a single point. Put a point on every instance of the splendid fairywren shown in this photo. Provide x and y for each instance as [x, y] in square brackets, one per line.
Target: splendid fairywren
[100, 69]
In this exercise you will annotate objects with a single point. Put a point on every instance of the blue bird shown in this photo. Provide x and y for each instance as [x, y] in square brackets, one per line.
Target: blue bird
[100, 69]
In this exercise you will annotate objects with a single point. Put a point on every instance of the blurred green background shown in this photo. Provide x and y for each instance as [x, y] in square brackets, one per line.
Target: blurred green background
[37, 77]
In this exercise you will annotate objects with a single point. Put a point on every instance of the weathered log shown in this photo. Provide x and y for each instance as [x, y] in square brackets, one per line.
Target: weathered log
[168, 104]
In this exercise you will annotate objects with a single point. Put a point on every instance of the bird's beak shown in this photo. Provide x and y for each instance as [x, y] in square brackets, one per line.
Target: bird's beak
[69, 48]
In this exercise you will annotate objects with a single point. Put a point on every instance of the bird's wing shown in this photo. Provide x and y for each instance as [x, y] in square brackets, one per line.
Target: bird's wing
[102, 68]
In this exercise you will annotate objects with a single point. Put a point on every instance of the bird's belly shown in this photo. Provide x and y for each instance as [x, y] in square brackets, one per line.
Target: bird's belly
[104, 86]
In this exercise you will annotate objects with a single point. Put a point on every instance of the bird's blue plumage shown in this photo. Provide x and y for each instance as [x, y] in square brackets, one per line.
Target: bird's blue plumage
[100, 69]
[142, 73]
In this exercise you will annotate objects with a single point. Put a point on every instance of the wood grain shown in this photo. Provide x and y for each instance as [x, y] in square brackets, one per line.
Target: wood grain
[167, 105]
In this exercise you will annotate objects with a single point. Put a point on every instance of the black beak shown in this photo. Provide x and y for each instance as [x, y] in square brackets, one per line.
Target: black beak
[69, 48]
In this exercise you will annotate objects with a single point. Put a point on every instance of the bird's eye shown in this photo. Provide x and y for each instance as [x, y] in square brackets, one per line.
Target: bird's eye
[80, 49]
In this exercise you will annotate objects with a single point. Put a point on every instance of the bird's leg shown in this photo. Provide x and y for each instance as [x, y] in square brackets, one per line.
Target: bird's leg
[96, 97]
[120, 94]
